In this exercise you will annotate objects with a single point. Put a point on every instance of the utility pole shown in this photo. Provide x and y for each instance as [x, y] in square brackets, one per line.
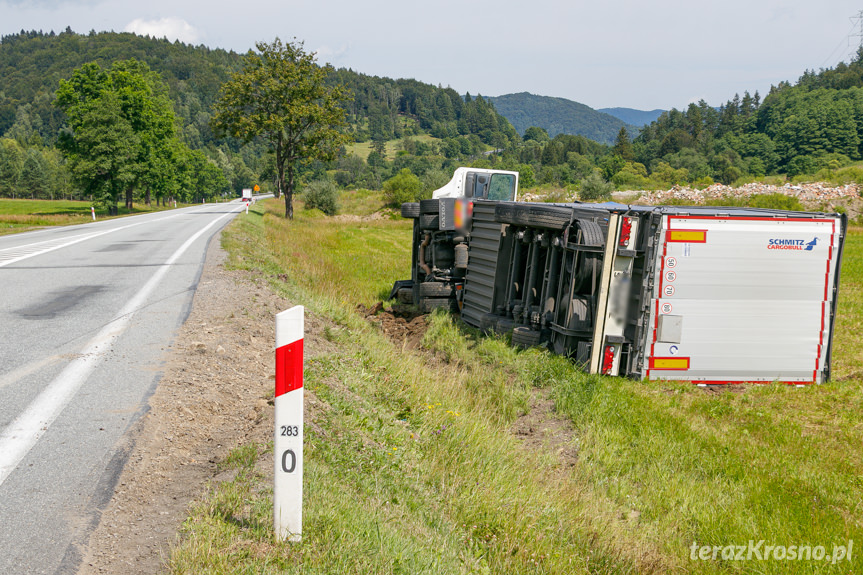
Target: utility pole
[856, 32]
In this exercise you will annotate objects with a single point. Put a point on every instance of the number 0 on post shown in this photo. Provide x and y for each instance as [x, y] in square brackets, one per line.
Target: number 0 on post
[288, 441]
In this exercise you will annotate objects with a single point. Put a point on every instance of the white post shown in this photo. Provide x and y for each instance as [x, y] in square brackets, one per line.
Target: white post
[288, 442]
[93, 211]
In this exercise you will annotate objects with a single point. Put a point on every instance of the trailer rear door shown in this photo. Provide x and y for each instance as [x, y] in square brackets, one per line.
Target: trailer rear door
[743, 299]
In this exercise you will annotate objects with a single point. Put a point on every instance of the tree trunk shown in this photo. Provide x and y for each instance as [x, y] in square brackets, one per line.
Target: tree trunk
[280, 170]
[147, 198]
[289, 193]
[129, 199]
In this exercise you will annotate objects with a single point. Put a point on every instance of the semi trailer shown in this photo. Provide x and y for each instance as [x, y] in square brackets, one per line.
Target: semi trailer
[711, 295]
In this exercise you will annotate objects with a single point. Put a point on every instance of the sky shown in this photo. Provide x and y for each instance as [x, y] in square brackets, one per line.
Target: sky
[603, 53]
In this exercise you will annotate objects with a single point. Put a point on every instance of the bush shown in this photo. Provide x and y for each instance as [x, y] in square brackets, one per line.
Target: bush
[594, 187]
[322, 195]
[401, 188]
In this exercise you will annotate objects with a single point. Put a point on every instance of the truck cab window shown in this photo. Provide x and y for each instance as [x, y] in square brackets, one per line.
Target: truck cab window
[501, 187]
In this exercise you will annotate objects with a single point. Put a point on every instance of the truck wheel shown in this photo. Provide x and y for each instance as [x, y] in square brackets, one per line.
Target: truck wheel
[410, 210]
[435, 289]
[429, 221]
[429, 206]
[429, 304]
[524, 337]
[504, 213]
[504, 324]
[405, 295]
[461, 256]
[548, 217]
[591, 233]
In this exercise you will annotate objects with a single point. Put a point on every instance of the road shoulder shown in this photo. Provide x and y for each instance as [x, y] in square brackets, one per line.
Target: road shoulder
[212, 396]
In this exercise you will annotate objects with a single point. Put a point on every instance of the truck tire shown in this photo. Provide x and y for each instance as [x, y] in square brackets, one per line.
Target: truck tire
[435, 289]
[410, 210]
[524, 337]
[429, 304]
[579, 314]
[591, 233]
[504, 324]
[405, 295]
[504, 213]
[534, 216]
[429, 206]
[461, 256]
[429, 221]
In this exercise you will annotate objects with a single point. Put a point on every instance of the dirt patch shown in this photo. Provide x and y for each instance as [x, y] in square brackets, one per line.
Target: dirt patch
[215, 394]
[401, 323]
[542, 428]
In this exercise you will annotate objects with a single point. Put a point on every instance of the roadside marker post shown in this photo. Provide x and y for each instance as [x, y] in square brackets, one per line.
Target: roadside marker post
[93, 211]
[288, 439]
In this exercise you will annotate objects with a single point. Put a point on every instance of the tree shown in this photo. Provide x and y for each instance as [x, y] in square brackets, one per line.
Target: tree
[122, 134]
[622, 146]
[281, 96]
[401, 188]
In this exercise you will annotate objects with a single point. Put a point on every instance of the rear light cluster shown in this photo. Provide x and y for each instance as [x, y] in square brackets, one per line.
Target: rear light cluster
[607, 359]
[625, 232]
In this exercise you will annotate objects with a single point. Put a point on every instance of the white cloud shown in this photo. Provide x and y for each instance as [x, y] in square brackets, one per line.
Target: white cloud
[327, 54]
[170, 28]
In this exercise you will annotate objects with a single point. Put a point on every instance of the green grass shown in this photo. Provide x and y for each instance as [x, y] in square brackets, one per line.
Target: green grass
[363, 149]
[24, 215]
[412, 467]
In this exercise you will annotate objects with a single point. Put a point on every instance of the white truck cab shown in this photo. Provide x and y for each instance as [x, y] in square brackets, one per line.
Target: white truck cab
[481, 184]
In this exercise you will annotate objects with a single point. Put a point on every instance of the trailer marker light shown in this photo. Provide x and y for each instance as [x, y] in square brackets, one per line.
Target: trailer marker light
[677, 363]
[689, 236]
[608, 359]
[625, 232]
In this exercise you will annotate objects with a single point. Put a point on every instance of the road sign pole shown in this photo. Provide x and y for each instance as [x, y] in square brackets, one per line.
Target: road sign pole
[288, 439]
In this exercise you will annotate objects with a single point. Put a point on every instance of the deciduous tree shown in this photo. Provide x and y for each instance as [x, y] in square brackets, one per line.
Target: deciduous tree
[281, 96]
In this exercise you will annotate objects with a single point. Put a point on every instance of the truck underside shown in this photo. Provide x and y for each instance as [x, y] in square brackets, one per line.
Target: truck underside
[709, 295]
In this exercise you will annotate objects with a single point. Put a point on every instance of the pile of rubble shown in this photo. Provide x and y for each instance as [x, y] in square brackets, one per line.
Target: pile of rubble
[814, 193]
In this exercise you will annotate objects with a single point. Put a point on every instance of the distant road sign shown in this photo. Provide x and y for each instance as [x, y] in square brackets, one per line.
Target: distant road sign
[257, 188]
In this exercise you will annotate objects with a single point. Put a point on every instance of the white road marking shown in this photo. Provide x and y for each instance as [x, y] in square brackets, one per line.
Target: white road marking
[24, 432]
[18, 253]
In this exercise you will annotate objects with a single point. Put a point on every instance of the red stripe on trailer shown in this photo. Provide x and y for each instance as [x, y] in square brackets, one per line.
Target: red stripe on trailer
[289, 367]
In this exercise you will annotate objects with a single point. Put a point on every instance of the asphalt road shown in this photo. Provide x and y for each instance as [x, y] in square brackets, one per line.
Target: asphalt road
[86, 314]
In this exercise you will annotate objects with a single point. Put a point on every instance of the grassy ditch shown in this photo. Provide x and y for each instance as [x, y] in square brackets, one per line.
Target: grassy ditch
[440, 460]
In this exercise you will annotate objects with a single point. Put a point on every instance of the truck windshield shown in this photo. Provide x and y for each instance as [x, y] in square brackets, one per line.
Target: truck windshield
[501, 187]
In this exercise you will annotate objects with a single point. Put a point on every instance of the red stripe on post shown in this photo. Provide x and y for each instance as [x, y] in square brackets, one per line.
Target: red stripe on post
[289, 367]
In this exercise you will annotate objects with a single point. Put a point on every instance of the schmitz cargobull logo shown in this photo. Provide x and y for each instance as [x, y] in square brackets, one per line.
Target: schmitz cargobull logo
[786, 244]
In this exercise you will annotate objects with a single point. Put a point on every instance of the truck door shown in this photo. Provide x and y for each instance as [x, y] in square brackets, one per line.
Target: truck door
[743, 299]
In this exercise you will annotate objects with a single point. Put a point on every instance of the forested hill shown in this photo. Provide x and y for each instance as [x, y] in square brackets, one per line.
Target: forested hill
[559, 116]
[32, 64]
[814, 124]
[631, 116]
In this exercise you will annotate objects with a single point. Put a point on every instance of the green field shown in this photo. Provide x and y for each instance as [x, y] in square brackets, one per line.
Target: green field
[363, 149]
[413, 464]
[25, 215]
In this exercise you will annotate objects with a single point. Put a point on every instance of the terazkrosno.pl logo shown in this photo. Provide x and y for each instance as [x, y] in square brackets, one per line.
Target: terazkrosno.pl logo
[761, 551]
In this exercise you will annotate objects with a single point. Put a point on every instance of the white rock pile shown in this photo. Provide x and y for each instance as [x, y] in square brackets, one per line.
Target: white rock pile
[816, 192]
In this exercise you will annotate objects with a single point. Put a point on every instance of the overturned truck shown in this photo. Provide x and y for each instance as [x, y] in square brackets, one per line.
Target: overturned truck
[704, 294]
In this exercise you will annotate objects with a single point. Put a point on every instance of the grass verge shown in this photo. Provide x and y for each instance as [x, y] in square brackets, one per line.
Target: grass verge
[412, 465]
[25, 215]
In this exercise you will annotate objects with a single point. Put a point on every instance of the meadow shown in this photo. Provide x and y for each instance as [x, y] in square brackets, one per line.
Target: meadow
[25, 215]
[419, 461]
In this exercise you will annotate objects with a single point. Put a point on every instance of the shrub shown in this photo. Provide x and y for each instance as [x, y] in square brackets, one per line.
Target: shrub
[401, 188]
[322, 195]
[594, 187]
